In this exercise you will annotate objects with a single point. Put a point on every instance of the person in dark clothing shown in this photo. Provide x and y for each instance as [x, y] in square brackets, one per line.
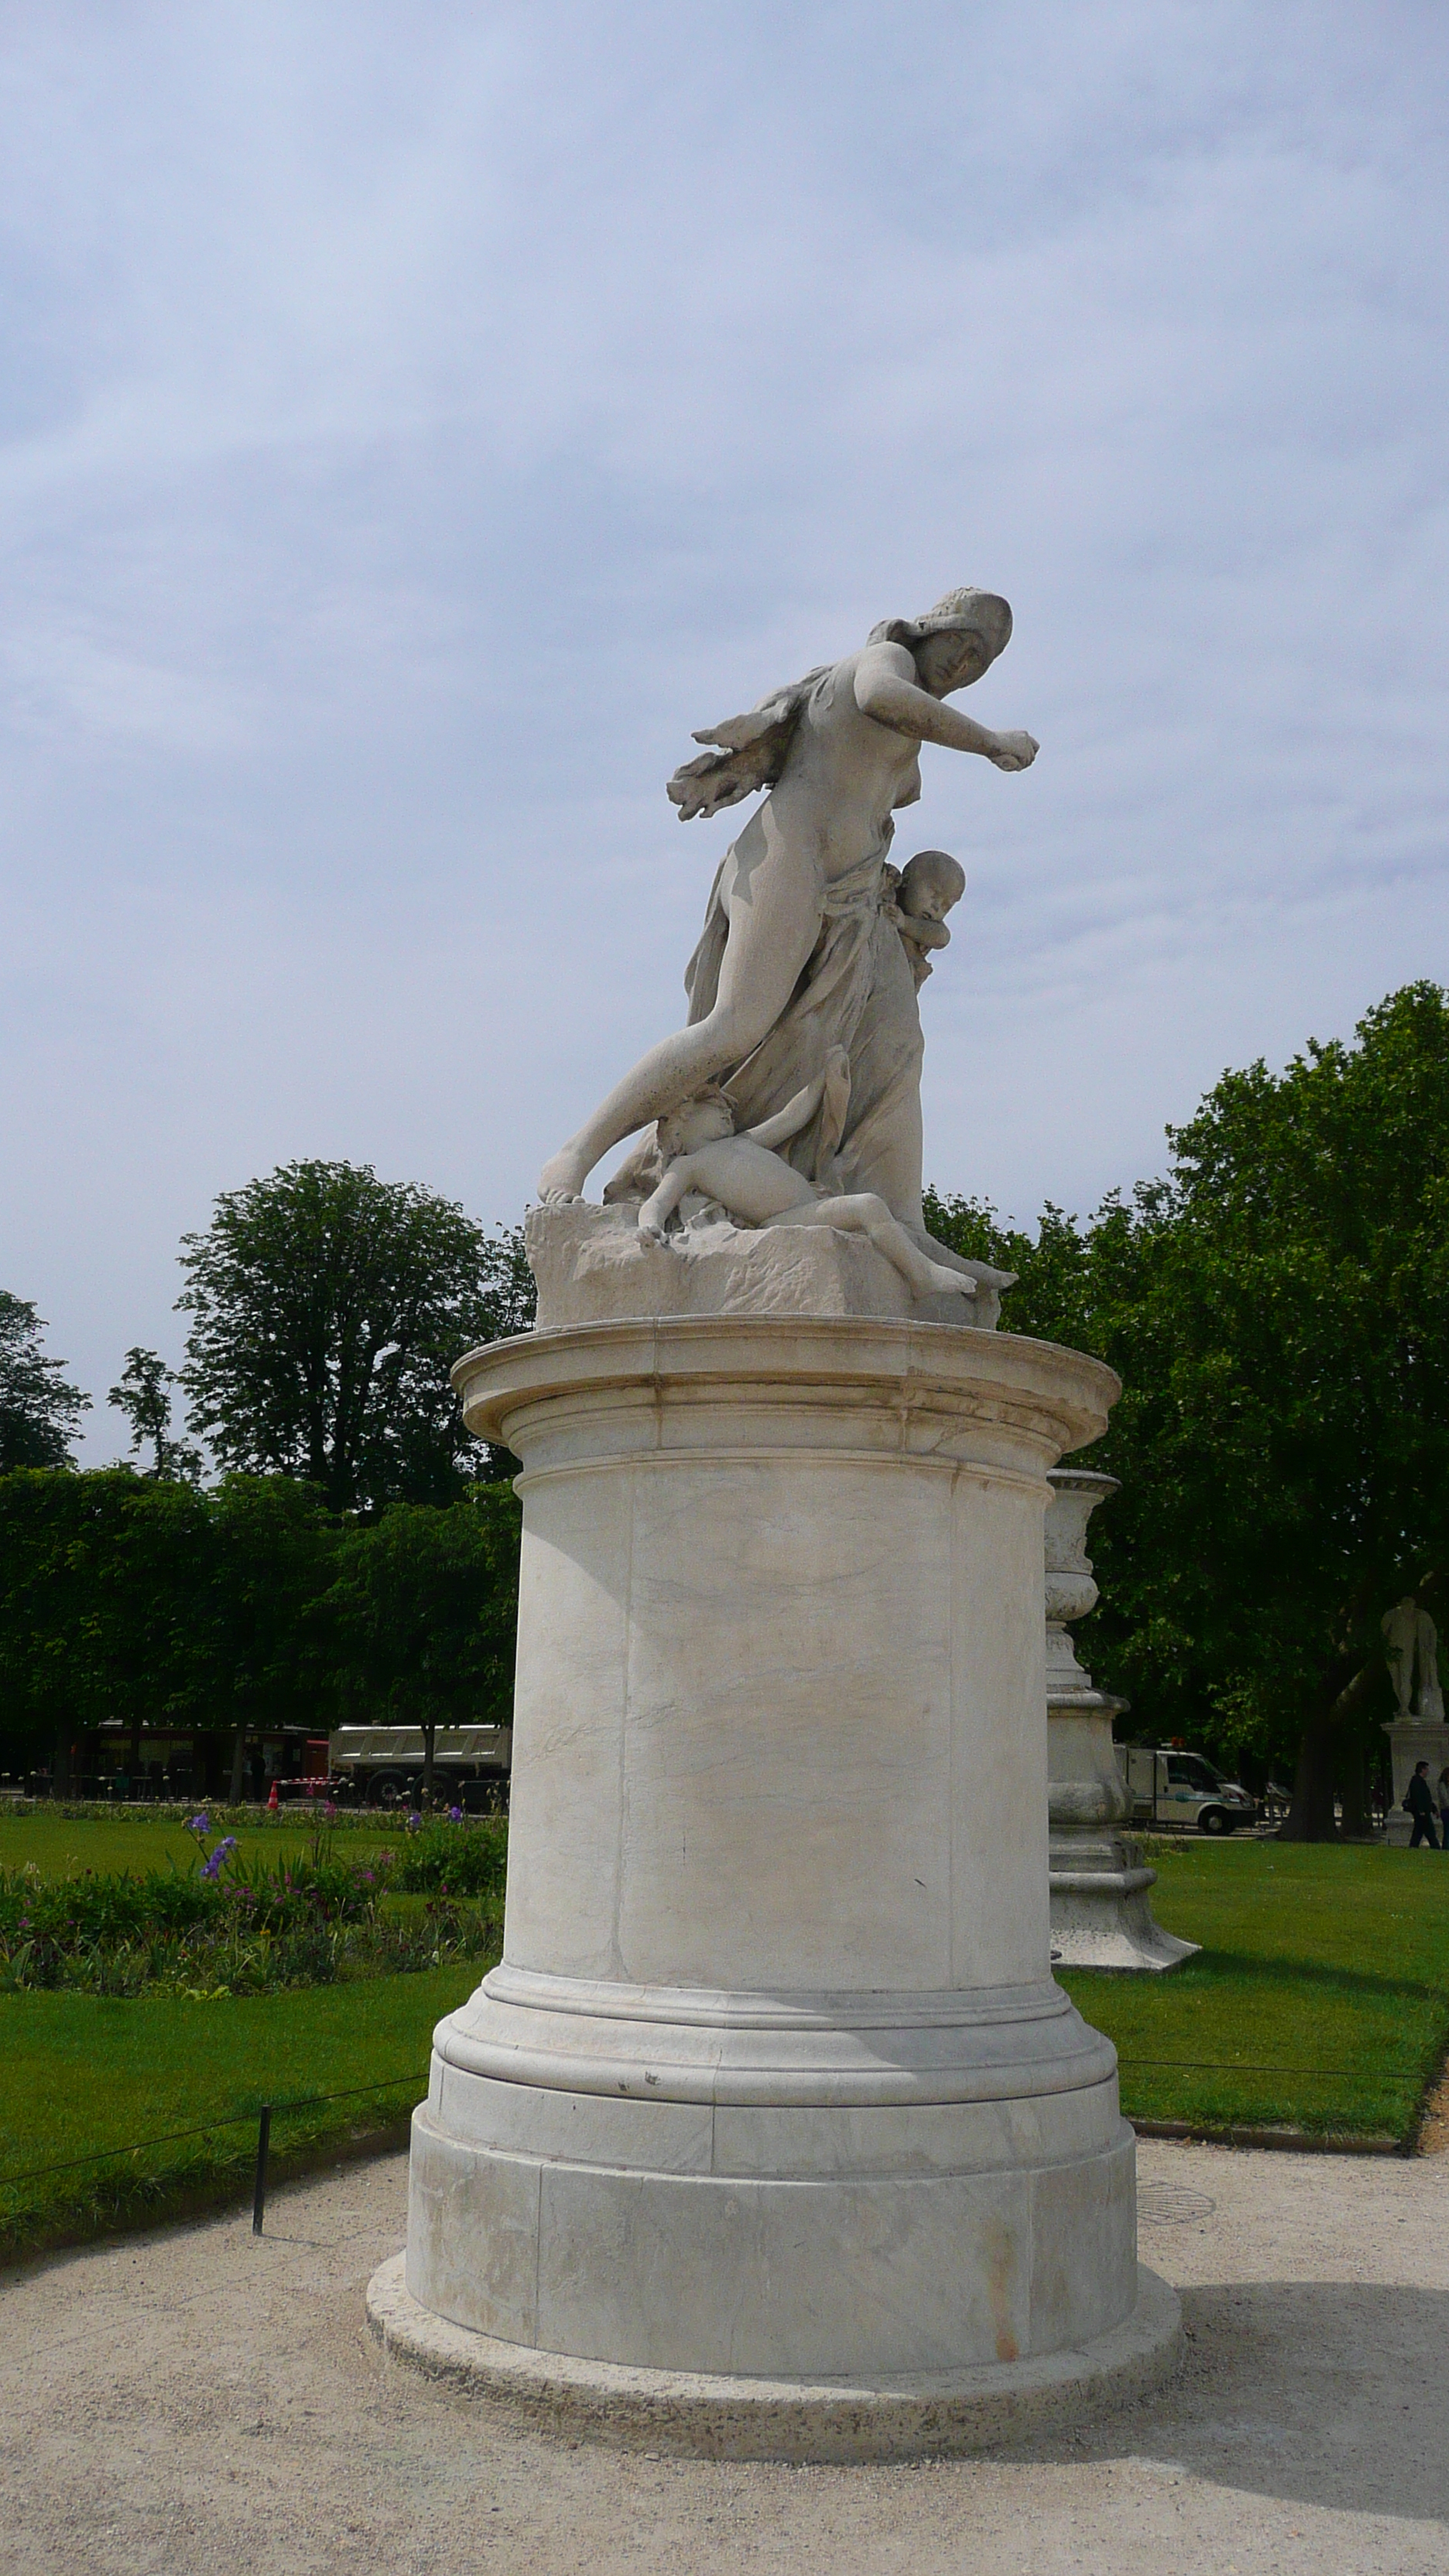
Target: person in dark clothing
[1420, 1804]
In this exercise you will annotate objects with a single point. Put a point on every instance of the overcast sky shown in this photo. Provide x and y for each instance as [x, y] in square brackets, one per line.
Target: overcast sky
[416, 420]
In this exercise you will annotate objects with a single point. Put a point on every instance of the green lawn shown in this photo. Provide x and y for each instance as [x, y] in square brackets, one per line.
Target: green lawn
[1320, 2000]
[79, 2073]
[61, 1847]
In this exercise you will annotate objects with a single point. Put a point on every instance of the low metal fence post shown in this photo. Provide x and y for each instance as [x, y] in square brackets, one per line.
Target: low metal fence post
[259, 2191]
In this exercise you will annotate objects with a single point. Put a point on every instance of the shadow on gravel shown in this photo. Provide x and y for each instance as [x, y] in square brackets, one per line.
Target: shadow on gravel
[1319, 2393]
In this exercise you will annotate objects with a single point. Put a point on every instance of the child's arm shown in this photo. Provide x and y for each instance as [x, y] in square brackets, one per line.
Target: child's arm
[922, 933]
[797, 1113]
[787, 1122]
[657, 1210]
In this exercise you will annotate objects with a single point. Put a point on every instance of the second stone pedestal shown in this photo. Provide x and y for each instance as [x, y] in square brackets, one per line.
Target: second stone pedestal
[1412, 1741]
[1101, 1913]
[774, 2084]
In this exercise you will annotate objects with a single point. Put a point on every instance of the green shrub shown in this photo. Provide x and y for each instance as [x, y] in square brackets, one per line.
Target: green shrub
[229, 1928]
[454, 1859]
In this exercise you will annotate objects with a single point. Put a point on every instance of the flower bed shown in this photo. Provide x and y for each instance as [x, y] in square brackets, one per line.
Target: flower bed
[228, 1926]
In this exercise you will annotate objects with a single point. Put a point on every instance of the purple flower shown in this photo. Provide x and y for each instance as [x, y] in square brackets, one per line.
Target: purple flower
[330, 1811]
[212, 1868]
[455, 1815]
[199, 1824]
[414, 1824]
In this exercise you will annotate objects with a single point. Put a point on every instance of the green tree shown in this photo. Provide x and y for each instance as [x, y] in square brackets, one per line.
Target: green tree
[327, 1308]
[144, 1396]
[1278, 1310]
[273, 1545]
[39, 1413]
[46, 1672]
[104, 1606]
[423, 1614]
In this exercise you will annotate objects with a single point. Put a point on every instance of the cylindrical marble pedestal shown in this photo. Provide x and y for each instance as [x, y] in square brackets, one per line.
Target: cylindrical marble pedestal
[774, 2083]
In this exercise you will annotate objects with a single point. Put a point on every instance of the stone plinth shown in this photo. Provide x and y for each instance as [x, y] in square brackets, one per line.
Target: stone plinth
[1101, 1915]
[773, 2083]
[1411, 1741]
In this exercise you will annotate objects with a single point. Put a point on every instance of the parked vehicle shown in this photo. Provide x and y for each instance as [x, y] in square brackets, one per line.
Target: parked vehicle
[1171, 1786]
[382, 1766]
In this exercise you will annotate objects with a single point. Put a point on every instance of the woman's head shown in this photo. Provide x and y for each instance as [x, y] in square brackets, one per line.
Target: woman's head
[954, 642]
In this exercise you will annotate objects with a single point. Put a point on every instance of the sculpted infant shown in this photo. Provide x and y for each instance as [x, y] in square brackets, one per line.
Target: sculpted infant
[930, 884]
[746, 1177]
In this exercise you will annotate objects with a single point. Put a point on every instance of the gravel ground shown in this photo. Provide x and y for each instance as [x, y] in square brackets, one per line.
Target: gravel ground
[198, 2400]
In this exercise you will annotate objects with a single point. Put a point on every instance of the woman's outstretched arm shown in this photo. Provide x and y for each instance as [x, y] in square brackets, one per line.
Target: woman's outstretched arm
[885, 690]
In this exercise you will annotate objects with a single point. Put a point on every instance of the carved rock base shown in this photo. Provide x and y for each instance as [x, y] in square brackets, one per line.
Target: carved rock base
[774, 2082]
[593, 1265]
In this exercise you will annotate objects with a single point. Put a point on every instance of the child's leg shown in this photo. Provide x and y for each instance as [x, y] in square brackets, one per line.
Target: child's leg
[868, 1215]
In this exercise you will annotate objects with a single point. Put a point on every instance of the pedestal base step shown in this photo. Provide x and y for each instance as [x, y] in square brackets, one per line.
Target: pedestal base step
[702, 2416]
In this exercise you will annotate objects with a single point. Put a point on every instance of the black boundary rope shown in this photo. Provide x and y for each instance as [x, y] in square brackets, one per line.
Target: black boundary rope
[229, 2120]
[390, 2083]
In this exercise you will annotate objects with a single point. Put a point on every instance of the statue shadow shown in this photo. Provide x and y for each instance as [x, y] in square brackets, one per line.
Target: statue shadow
[1312, 1974]
[1312, 2393]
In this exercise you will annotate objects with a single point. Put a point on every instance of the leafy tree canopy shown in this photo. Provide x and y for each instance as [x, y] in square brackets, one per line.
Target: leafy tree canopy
[327, 1309]
[144, 1396]
[272, 1549]
[1278, 1310]
[104, 1605]
[39, 1413]
[422, 1614]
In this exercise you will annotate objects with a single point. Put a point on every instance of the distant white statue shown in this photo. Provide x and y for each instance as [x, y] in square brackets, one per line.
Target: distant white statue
[1431, 1696]
[1411, 1641]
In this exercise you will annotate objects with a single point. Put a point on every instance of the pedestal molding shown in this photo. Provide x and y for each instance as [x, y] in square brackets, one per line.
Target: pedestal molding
[695, 2414]
[923, 2049]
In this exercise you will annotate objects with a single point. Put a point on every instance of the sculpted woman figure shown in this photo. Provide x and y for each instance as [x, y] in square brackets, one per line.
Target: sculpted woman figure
[839, 753]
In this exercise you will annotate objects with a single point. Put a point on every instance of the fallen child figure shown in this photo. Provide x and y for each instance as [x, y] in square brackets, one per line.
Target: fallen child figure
[701, 1152]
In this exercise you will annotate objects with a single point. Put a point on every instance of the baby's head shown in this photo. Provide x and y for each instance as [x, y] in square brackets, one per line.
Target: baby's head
[703, 1119]
[930, 883]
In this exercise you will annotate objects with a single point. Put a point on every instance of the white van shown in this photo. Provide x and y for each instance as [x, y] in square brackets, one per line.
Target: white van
[1170, 1786]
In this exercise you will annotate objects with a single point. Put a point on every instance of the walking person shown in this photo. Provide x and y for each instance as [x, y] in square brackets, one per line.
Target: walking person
[1420, 1805]
[1443, 1795]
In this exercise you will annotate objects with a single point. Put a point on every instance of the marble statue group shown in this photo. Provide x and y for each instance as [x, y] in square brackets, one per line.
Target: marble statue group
[804, 985]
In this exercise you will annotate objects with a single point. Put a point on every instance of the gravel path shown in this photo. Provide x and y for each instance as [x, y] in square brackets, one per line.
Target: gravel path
[197, 2400]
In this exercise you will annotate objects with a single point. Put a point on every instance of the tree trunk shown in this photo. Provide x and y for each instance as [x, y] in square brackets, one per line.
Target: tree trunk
[60, 1761]
[429, 1732]
[1357, 1822]
[238, 1761]
[1310, 1818]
